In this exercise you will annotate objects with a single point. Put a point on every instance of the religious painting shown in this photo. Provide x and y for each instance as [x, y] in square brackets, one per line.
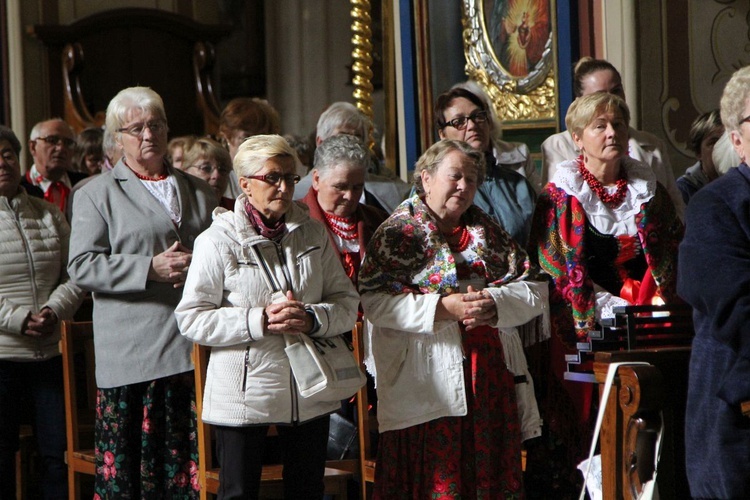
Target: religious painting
[510, 51]
[519, 32]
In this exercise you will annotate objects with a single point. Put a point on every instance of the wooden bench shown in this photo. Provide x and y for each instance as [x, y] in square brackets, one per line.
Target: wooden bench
[632, 328]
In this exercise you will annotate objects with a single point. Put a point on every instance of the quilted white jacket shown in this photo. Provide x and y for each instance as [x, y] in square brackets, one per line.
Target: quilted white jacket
[249, 380]
[33, 254]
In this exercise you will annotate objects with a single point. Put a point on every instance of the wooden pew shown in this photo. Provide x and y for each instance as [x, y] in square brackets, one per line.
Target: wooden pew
[629, 425]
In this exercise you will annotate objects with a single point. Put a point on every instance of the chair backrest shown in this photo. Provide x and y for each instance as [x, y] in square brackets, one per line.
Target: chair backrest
[140, 43]
[205, 444]
[366, 461]
[79, 379]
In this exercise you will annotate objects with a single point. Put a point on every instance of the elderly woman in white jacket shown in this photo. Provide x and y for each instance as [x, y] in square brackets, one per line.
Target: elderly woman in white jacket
[35, 295]
[229, 305]
[443, 287]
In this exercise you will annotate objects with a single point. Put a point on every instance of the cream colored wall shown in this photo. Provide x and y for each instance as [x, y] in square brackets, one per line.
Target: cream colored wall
[317, 34]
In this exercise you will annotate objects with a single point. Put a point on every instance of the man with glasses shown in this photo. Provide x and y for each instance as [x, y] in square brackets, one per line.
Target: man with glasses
[51, 144]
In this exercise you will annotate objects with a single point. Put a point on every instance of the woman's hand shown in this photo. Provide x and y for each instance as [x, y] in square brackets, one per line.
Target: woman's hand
[171, 266]
[472, 308]
[480, 308]
[288, 317]
[40, 325]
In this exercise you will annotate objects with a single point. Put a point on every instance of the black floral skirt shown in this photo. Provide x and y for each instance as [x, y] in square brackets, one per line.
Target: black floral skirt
[146, 440]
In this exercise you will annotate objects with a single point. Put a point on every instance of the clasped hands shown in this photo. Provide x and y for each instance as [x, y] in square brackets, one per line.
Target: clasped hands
[41, 324]
[288, 317]
[171, 266]
[473, 308]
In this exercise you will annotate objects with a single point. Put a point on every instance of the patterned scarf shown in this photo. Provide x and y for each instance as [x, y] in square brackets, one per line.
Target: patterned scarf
[273, 232]
[409, 254]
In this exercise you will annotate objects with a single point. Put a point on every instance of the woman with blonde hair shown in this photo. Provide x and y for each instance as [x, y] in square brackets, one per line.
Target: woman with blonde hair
[208, 160]
[607, 233]
[260, 273]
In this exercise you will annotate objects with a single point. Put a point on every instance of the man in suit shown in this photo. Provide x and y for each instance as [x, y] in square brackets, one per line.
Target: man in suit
[51, 144]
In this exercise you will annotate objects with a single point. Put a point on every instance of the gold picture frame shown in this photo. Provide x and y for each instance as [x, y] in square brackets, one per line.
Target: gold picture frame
[510, 52]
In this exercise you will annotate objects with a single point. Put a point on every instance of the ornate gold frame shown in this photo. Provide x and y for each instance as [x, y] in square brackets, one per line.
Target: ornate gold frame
[520, 102]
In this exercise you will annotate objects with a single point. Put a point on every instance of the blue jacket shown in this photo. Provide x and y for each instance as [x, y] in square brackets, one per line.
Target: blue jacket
[714, 277]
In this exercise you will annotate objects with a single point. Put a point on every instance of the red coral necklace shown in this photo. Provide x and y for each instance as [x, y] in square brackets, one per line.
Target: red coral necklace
[345, 227]
[159, 177]
[613, 199]
[463, 240]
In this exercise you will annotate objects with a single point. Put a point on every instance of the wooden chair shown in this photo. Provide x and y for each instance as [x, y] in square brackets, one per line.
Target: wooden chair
[140, 43]
[366, 460]
[336, 480]
[631, 421]
[77, 347]
[24, 460]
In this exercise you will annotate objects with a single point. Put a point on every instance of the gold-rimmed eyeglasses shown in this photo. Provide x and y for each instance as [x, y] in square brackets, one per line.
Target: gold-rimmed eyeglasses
[137, 129]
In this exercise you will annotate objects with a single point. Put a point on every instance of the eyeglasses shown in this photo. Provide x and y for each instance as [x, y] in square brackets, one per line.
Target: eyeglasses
[136, 130]
[459, 123]
[745, 120]
[275, 178]
[54, 140]
[208, 169]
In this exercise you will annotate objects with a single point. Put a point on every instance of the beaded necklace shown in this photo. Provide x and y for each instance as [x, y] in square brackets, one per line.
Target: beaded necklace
[463, 240]
[611, 200]
[344, 227]
[159, 177]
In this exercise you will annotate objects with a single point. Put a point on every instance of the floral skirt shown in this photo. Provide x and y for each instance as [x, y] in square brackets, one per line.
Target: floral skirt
[473, 457]
[146, 440]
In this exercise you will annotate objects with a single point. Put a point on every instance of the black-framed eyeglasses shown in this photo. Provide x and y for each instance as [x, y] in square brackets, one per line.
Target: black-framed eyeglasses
[137, 129]
[275, 178]
[459, 123]
[54, 140]
[745, 120]
[208, 169]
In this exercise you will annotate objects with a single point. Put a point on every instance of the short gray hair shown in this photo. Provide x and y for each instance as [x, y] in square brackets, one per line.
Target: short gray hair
[734, 99]
[343, 115]
[36, 130]
[142, 98]
[8, 135]
[255, 151]
[339, 149]
[432, 158]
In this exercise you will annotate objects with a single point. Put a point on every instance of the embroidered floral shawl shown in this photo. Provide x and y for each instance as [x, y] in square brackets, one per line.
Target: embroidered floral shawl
[408, 254]
[557, 238]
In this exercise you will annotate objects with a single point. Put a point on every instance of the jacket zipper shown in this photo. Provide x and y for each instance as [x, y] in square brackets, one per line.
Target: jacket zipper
[245, 369]
[292, 385]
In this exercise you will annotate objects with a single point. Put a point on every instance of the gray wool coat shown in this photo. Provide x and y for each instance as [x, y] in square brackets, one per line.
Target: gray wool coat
[118, 226]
